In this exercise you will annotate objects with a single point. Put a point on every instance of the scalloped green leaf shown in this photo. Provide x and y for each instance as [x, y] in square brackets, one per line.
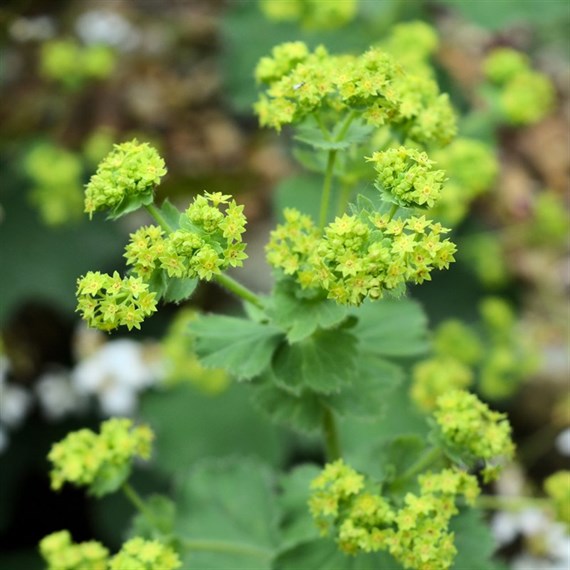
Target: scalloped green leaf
[303, 413]
[301, 317]
[391, 328]
[227, 509]
[242, 347]
[170, 213]
[323, 362]
[372, 383]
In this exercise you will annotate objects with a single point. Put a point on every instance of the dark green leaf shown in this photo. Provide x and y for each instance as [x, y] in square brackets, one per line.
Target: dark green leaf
[314, 137]
[303, 413]
[131, 204]
[229, 509]
[242, 347]
[369, 392]
[300, 317]
[179, 415]
[323, 362]
[391, 328]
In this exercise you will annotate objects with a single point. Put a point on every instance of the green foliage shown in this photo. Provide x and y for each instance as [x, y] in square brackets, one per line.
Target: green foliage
[242, 347]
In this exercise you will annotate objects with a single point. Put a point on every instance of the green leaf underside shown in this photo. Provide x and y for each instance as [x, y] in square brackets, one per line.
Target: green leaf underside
[303, 413]
[391, 328]
[130, 204]
[109, 480]
[228, 516]
[322, 363]
[242, 347]
[178, 290]
[372, 383]
[300, 317]
[171, 214]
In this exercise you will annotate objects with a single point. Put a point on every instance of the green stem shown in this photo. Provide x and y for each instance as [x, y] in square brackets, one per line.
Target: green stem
[343, 199]
[393, 211]
[138, 503]
[330, 432]
[157, 215]
[425, 461]
[507, 503]
[226, 547]
[238, 289]
[327, 185]
[347, 122]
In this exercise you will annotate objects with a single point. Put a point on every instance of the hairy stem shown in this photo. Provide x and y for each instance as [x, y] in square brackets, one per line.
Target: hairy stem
[225, 547]
[138, 503]
[238, 289]
[157, 215]
[393, 211]
[327, 186]
[426, 460]
[330, 433]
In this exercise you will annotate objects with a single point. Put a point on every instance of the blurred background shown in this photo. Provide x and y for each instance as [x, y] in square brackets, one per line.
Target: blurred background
[78, 76]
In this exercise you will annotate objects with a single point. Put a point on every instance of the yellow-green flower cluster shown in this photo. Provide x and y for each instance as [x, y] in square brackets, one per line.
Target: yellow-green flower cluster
[469, 427]
[181, 362]
[87, 459]
[357, 258]
[405, 177]
[300, 83]
[140, 554]
[485, 254]
[435, 376]
[209, 239]
[456, 340]
[108, 301]
[60, 553]
[557, 487]
[72, 64]
[57, 191]
[550, 225]
[526, 96]
[127, 176]
[416, 534]
[311, 14]
[471, 167]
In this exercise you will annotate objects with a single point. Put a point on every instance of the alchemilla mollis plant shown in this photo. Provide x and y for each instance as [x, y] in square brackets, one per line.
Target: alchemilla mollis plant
[323, 351]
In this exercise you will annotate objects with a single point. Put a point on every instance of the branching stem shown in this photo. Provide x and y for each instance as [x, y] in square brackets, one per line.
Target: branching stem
[238, 289]
[138, 502]
[157, 215]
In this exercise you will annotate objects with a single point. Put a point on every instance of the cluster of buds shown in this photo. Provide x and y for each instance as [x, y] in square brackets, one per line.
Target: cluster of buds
[469, 429]
[302, 83]
[359, 256]
[61, 553]
[416, 534]
[107, 301]
[125, 179]
[101, 461]
[311, 14]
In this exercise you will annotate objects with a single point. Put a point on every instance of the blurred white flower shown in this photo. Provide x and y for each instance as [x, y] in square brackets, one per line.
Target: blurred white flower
[86, 341]
[57, 396]
[547, 542]
[15, 401]
[116, 373]
[107, 27]
[562, 442]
